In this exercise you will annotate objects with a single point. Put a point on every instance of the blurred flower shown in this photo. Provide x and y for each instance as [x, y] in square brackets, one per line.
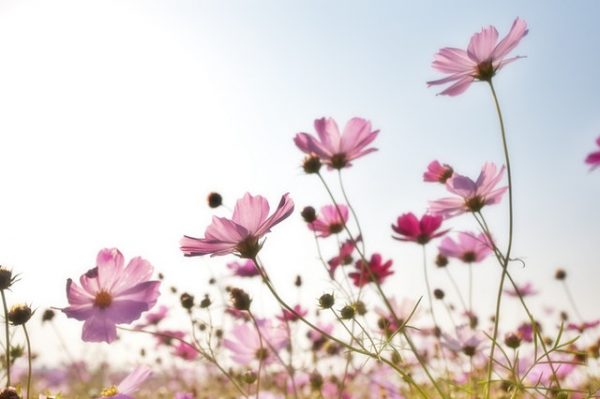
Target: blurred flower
[469, 248]
[245, 342]
[111, 294]
[524, 290]
[482, 59]
[420, 231]
[581, 327]
[594, 158]
[154, 318]
[185, 351]
[240, 234]
[246, 269]
[378, 271]
[472, 195]
[289, 316]
[344, 257]
[334, 149]
[331, 220]
[129, 385]
[436, 172]
[467, 341]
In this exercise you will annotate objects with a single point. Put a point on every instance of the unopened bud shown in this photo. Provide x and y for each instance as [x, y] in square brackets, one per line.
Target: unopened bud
[215, 200]
[19, 314]
[326, 301]
[187, 301]
[240, 299]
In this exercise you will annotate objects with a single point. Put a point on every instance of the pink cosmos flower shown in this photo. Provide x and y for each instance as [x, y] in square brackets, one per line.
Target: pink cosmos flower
[185, 351]
[344, 257]
[245, 343]
[379, 271]
[466, 341]
[470, 248]
[403, 310]
[239, 235]
[526, 289]
[472, 195]
[246, 269]
[129, 385]
[289, 316]
[111, 294]
[334, 149]
[581, 327]
[483, 58]
[594, 158]
[154, 318]
[330, 221]
[438, 173]
[420, 231]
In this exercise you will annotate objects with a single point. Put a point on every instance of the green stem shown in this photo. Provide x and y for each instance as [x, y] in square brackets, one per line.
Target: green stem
[572, 301]
[509, 247]
[28, 361]
[360, 233]
[7, 332]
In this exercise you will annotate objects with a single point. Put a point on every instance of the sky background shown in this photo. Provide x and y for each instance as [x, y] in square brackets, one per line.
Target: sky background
[118, 117]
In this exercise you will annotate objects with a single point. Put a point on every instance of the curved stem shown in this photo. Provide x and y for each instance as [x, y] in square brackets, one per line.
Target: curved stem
[28, 361]
[509, 247]
[458, 292]
[572, 301]
[7, 333]
[360, 233]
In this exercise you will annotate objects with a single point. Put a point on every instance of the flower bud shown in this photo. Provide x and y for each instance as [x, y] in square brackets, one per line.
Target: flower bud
[249, 377]
[6, 278]
[326, 301]
[438, 294]
[298, 281]
[311, 164]
[187, 301]
[215, 200]
[240, 299]
[309, 214]
[347, 312]
[9, 393]
[560, 275]
[205, 302]
[316, 381]
[48, 315]
[19, 314]
[441, 261]
[360, 308]
[512, 340]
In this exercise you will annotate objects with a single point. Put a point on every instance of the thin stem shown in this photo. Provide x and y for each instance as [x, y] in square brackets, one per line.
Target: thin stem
[7, 333]
[471, 314]
[572, 301]
[360, 233]
[28, 361]
[458, 292]
[428, 286]
[510, 239]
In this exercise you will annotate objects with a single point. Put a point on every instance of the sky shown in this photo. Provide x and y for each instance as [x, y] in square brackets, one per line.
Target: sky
[117, 118]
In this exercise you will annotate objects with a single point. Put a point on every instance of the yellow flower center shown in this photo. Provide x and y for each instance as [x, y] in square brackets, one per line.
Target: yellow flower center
[108, 392]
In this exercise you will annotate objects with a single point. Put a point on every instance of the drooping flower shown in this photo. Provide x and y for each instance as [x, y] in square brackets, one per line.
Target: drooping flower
[335, 149]
[438, 173]
[344, 257]
[245, 342]
[472, 195]
[239, 235]
[331, 220]
[245, 269]
[483, 58]
[111, 294]
[129, 385]
[593, 158]
[420, 231]
[526, 289]
[378, 271]
[469, 248]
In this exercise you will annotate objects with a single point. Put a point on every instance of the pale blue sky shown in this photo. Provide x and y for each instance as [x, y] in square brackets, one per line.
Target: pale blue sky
[117, 117]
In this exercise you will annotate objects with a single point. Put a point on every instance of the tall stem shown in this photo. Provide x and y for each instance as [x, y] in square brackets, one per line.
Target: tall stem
[428, 286]
[7, 333]
[509, 247]
[28, 361]
[360, 233]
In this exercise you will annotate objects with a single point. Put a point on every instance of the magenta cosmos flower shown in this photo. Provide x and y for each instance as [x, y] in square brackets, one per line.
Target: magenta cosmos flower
[437, 173]
[344, 257]
[335, 149]
[593, 159]
[129, 385]
[472, 195]
[420, 231]
[111, 294]
[245, 269]
[469, 248]
[483, 58]
[240, 234]
[379, 271]
[331, 220]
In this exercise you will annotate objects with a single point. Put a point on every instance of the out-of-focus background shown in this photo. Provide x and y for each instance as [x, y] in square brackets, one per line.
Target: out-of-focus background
[118, 117]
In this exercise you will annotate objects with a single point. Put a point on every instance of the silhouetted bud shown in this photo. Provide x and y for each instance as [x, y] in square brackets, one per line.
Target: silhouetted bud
[512, 340]
[311, 164]
[438, 294]
[6, 278]
[326, 301]
[215, 200]
[560, 274]
[205, 302]
[19, 314]
[360, 308]
[240, 299]
[309, 214]
[298, 281]
[249, 377]
[316, 381]
[48, 315]
[9, 393]
[187, 301]
[347, 312]
[441, 261]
